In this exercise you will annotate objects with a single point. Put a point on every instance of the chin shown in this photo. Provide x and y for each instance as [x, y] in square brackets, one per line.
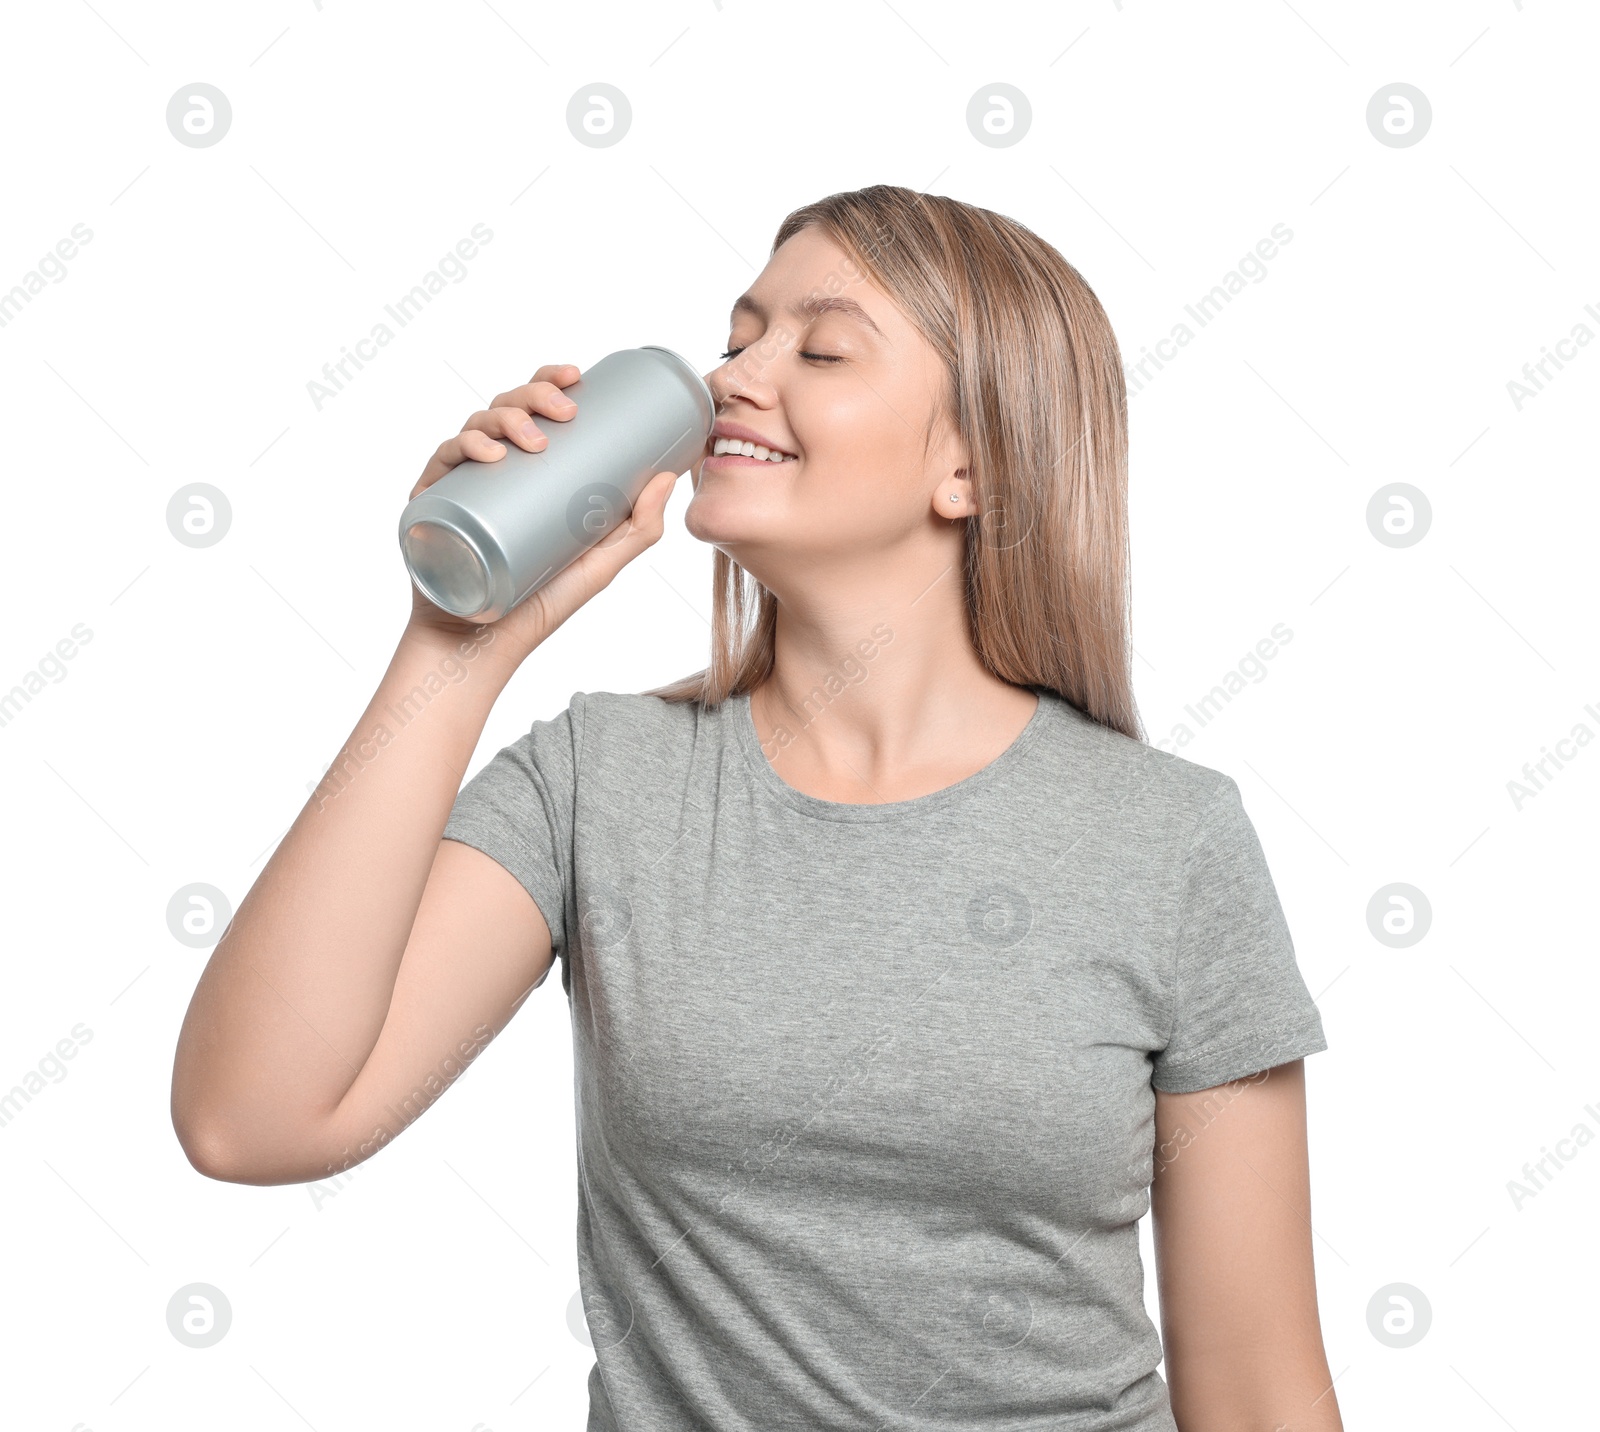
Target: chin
[728, 519]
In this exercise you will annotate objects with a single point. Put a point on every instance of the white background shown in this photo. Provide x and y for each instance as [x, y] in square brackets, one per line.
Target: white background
[433, 1288]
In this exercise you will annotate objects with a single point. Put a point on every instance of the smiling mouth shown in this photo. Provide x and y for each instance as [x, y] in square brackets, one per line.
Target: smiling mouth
[731, 452]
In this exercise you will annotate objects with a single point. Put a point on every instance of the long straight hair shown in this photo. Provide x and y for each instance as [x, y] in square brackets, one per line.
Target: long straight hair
[1035, 389]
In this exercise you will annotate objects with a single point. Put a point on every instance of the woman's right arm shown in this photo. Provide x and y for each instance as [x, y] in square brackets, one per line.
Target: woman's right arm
[372, 959]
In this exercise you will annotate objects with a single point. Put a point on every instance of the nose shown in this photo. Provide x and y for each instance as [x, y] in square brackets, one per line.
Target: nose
[734, 379]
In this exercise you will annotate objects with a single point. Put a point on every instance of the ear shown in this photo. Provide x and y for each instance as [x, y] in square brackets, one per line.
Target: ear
[952, 498]
[950, 457]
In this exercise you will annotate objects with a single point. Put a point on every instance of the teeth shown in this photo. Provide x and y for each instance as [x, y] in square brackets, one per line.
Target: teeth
[749, 449]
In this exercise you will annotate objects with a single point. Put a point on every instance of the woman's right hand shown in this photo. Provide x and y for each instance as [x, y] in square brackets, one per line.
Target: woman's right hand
[482, 439]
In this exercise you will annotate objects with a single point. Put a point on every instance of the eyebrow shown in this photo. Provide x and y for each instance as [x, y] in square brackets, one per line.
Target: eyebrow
[811, 306]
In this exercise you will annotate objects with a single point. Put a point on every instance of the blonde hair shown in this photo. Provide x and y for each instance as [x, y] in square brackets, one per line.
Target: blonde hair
[1036, 391]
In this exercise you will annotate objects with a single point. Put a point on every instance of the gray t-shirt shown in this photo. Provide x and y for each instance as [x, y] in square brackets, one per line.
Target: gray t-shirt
[865, 1093]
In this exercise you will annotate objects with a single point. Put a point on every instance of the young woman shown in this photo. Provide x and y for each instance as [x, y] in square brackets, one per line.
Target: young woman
[905, 976]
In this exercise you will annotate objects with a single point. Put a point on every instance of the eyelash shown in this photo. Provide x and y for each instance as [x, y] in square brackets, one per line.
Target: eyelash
[817, 357]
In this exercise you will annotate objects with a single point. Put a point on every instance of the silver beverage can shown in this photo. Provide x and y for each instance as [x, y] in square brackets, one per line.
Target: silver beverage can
[487, 535]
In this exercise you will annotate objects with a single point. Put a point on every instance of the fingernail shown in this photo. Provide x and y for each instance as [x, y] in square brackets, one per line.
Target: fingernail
[529, 431]
[563, 403]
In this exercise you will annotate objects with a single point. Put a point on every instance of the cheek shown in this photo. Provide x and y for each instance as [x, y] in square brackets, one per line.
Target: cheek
[858, 498]
[839, 412]
[857, 434]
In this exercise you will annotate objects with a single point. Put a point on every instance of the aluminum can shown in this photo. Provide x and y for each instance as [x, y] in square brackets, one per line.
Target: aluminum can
[487, 535]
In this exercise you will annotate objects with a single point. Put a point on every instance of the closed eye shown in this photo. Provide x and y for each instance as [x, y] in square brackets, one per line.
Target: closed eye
[815, 357]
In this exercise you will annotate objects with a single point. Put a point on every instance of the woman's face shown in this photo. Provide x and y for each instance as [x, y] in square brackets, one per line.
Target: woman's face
[826, 367]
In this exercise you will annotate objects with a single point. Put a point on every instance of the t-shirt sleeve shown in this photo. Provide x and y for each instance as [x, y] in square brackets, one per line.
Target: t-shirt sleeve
[1239, 1003]
[520, 811]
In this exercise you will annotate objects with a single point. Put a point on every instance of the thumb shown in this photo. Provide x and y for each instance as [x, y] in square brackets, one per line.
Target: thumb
[643, 526]
[650, 510]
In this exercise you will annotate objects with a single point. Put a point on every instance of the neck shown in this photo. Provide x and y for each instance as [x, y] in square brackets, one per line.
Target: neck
[882, 684]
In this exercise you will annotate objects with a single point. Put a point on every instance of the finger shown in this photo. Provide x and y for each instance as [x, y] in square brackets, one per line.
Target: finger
[564, 374]
[470, 445]
[508, 423]
[657, 493]
[546, 399]
[601, 563]
[647, 521]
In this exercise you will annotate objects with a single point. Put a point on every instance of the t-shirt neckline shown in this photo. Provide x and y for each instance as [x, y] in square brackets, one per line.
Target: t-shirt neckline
[769, 779]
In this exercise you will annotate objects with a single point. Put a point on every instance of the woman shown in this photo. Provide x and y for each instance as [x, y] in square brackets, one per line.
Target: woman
[904, 975]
